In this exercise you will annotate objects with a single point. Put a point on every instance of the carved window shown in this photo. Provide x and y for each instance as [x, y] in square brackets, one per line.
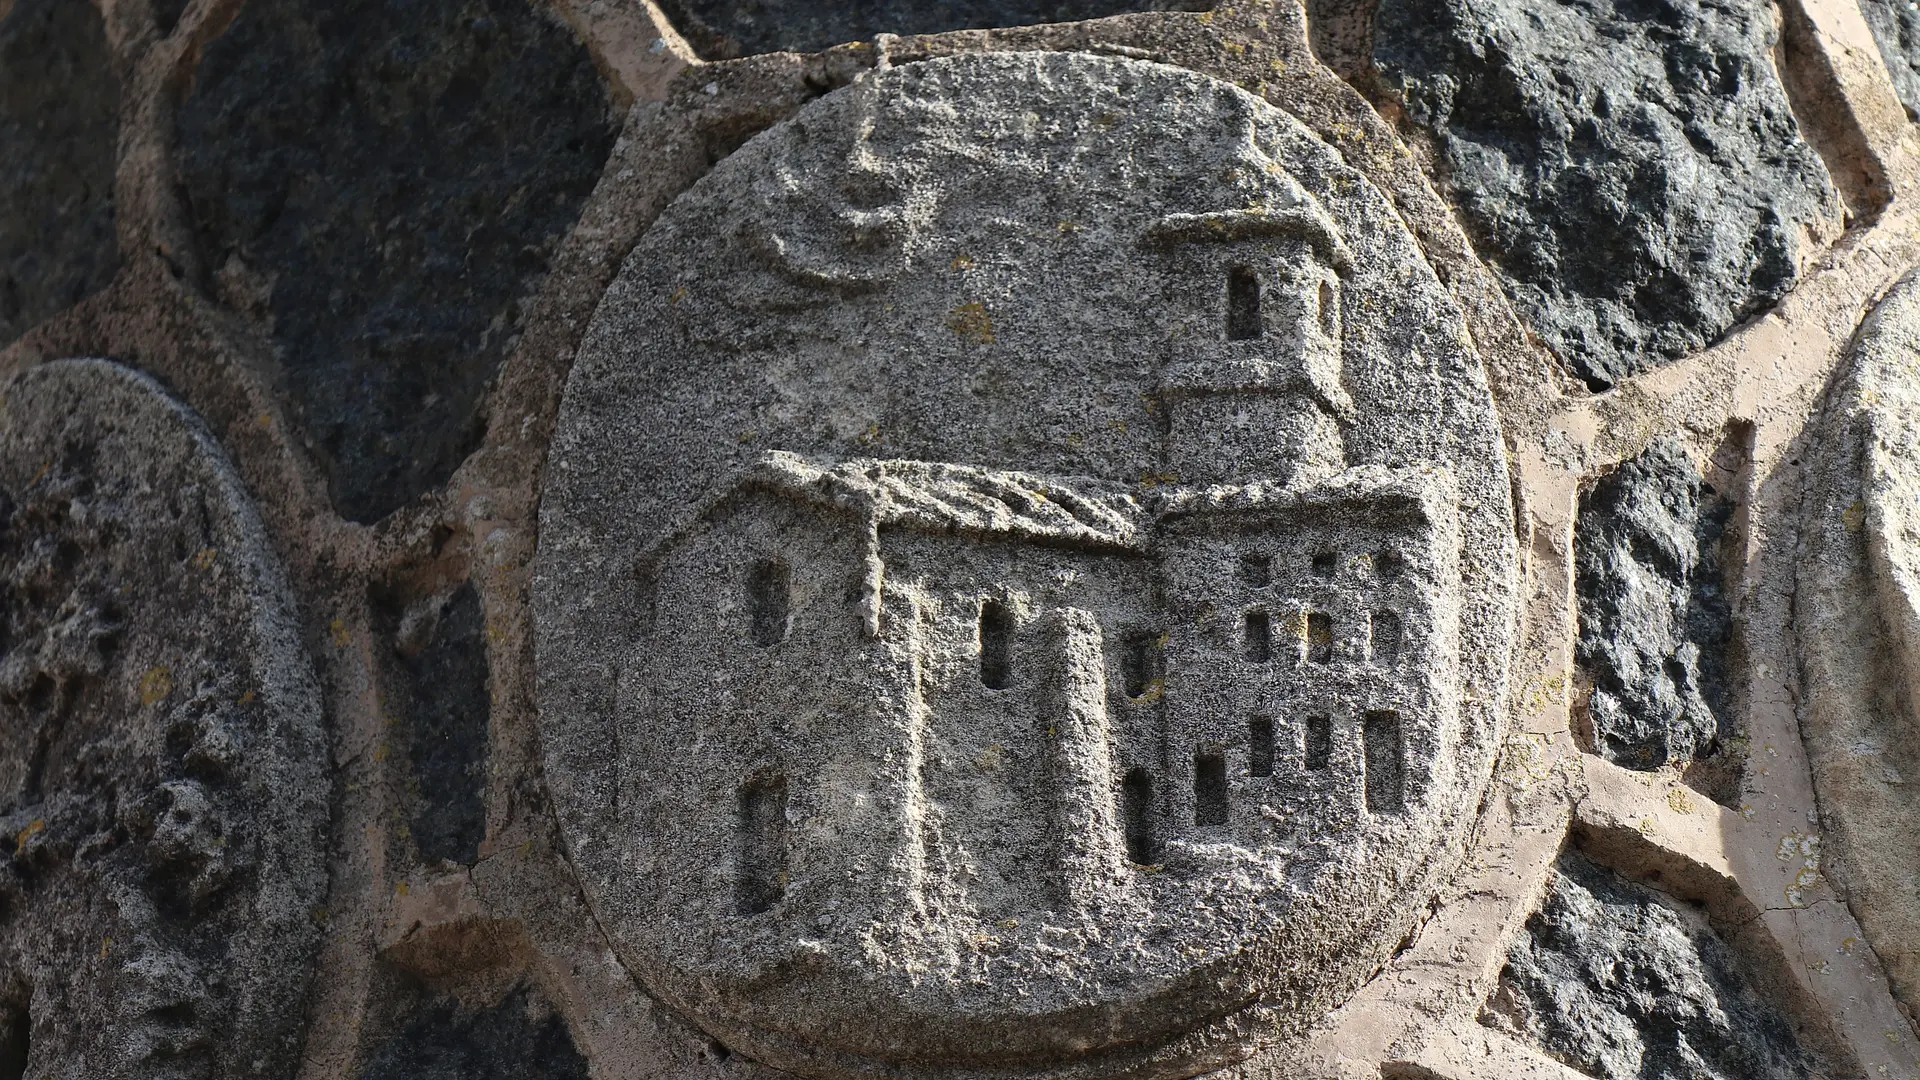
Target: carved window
[1209, 787]
[996, 645]
[769, 601]
[762, 856]
[1319, 742]
[1319, 637]
[1260, 746]
[1258, 636]
[1140, 663]
[1136, 808]
[1384, 761]
[1243, 304]
[1256, 568]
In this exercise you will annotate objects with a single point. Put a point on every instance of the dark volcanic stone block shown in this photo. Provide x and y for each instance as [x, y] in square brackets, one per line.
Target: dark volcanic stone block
[518, 1039]
[725, 28]
[1630, 166]
[1623, 983]
[387, 180]
[59, 128]
[440, 650]
[1654, 616]
[1896, 29]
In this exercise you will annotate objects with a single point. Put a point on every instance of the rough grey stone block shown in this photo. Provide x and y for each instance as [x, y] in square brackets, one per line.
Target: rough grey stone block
[439, 668]
[1624, 983]
[1028, 544]
[521, 1038]
[1654, 618]
[724, 28]
[386, 181]
[1631, 167]
[1896, 29]
[163, 809]
[59, 133]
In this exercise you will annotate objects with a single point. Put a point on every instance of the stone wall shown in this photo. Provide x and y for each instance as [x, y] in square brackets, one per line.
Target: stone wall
[726, 538]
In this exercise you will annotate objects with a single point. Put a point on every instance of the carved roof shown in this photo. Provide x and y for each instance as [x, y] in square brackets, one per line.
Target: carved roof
[1081, 512]
[942, 498]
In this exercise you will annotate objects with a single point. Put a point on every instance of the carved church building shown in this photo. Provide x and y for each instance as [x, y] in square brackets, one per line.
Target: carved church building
[1067, 676]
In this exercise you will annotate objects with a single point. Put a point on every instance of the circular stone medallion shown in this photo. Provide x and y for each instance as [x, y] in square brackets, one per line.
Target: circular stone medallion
[1025, 581]
[162, 803]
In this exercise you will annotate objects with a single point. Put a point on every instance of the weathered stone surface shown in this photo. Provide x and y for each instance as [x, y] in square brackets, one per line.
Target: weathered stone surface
[59, 129]
[1624, 983]
[439, 667]
[1858, 657]
[723, 28]
[521, 1038]
[162, 801]
[1014, 471]
[1631, 167]
[1654, 618]
[1896, 29]
[386, 182]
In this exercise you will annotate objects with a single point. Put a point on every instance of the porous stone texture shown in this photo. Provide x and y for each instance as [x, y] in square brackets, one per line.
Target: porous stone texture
[1631, 167]
[387, 183]
[440, 666]
[1858, 601]
[1046, 515]
[59, 129]
[724, 28]
[1625, 983]
[162, 801]
[520, 1038]
[1896, 29]
[1655, 621]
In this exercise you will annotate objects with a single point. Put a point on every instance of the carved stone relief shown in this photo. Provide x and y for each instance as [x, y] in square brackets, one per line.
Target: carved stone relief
[1028, 546]
[162, 809]
[1859, 599]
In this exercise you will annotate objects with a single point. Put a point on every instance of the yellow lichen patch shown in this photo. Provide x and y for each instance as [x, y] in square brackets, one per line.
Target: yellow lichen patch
[249, 698]
[1854, 516]
[342, 637]
[20, 839]
[157, 683]
[1068, 228]
[1155, 690]
[961, 262]
[972, 323]
[203, 561]
[1681, 802]
[677, 295]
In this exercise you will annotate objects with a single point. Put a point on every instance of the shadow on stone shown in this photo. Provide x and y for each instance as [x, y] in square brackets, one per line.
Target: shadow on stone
[385, 181]
[521, 1038]
[439, 661]
[1625, 983]
[729, 28]
[59, 130]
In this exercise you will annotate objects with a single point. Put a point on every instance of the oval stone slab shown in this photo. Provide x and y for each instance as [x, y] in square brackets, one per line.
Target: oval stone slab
[1857, 624]
[1025, 581]
[162, 804]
